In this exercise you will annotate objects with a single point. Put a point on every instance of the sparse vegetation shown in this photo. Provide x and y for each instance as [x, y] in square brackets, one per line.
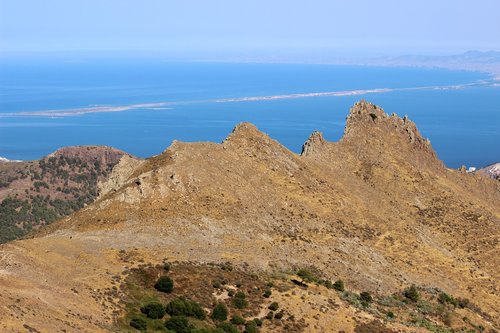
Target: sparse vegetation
[307, 275]
[412, 293]
[432, 310]
[339, 285]
[365, 298]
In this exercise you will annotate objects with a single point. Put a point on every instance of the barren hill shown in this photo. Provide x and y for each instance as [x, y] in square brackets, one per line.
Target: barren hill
[376, 209]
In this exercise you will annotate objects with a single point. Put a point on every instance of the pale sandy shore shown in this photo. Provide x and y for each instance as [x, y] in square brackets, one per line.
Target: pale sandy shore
[54, 113]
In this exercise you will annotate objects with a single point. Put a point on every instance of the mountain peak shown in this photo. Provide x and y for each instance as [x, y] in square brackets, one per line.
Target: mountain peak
[245, 129]
[313, 144]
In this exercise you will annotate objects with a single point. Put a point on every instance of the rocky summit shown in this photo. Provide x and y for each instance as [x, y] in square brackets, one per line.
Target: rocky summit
[413, 243]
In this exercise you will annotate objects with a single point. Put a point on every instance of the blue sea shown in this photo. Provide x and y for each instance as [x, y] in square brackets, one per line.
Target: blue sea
[141, 105]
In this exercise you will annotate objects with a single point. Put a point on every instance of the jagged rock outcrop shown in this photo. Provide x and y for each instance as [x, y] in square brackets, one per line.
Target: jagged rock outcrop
[377, 209]
[313, 144]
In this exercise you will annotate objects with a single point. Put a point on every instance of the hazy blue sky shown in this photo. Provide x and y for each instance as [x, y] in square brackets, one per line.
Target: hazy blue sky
[258, 26]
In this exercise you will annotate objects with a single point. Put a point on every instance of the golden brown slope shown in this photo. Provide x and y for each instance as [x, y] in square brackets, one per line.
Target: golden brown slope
[376, 209]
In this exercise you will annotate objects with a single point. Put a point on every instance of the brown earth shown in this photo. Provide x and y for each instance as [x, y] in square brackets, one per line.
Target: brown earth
[376, 209]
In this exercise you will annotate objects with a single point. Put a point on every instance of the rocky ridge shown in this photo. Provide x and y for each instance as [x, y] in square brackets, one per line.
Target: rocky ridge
[377, 209]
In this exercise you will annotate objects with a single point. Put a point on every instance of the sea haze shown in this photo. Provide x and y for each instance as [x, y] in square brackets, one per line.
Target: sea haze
[140, 106]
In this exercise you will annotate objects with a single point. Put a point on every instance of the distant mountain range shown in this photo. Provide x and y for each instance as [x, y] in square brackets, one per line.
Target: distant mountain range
[470, 60]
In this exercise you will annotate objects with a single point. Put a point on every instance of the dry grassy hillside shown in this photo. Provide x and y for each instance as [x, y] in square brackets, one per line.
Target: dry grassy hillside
[376, 209]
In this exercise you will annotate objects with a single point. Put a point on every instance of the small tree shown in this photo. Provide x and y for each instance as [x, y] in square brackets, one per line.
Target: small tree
[237, 320]
[274, 306]
[164, 284]
[412, 293]
[251, 327]
[153, 310]
[220, 312]
[239, 300]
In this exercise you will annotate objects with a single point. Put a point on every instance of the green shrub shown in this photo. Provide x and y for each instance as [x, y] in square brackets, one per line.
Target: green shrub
[270, 315]
[444, 298]
[153, 310]
[185, 307]
[239, 300]
[327, 283]
[220, 312]
[240, 303]
[307, 275]
[339, 285]
[278, 315]
[178, 324]
[365, 298]
[164, 284]
[240, 294]
[237, 320]
[217, 285]
[412, 293]
[267, 293]
[374, 116]
[228, 328]
[139, 324]
[273, 306]
[251, 327]
[390, 315]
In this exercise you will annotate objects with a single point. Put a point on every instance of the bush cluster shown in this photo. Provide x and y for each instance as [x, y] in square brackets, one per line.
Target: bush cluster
[412, 293]
[185, 307]
[239, 300]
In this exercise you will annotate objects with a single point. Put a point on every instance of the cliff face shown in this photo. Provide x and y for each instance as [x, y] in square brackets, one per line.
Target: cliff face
[377, 209]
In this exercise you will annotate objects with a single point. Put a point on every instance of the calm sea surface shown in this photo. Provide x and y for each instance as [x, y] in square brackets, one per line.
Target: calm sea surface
[47, 104]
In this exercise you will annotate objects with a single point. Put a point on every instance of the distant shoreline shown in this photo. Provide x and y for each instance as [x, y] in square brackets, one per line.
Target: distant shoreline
[159, 106]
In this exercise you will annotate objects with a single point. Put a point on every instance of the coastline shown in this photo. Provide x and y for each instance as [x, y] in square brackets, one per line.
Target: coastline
[161, 106]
